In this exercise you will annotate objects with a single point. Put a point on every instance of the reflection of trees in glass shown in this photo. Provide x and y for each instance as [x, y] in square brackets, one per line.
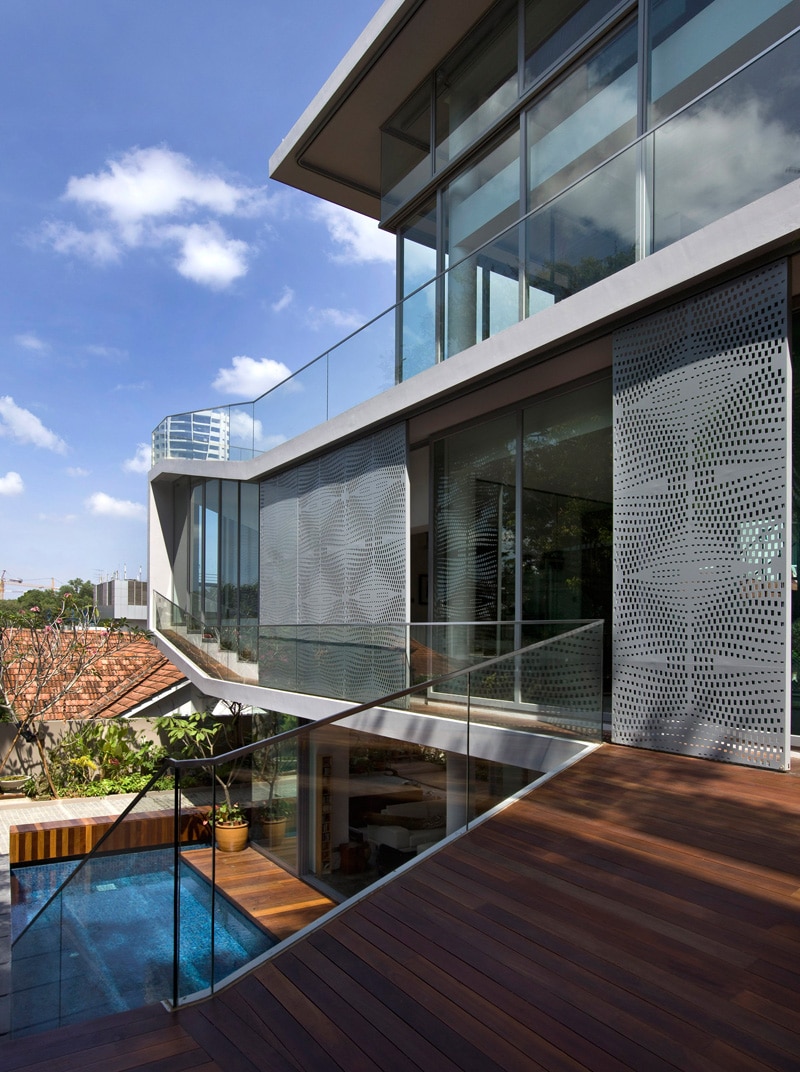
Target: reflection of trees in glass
[563, 278]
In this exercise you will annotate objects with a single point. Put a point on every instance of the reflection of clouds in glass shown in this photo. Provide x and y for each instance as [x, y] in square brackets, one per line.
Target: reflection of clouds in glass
[558, 140]
[247, 431]
[716, 159]
[419, 264]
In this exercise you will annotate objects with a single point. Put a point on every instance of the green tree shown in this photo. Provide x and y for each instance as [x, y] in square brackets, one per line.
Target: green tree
[44, 655]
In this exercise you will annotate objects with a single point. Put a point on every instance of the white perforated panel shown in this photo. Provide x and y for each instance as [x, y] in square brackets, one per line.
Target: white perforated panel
[701, 506]
[334, 536]
[334, 550]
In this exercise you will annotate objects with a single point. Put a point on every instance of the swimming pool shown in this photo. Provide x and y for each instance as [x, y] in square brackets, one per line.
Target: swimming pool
[106, 943]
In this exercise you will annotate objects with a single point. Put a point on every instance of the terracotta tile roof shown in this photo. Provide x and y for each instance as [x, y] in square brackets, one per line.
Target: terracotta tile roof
[129, 672]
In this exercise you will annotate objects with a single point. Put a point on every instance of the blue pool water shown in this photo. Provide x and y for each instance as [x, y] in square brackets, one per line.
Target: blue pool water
[106, 943]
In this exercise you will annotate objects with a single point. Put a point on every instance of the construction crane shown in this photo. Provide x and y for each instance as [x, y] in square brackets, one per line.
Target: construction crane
[19, 583]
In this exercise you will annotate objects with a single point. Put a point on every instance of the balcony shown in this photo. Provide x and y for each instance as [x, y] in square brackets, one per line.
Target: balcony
[731, 146]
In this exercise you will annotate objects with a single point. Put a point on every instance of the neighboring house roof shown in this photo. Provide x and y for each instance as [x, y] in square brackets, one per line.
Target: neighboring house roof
[125, 673]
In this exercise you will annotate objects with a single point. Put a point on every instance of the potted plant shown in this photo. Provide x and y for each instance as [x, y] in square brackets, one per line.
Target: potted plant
[230, 827]
[273, 815]
[197, 734]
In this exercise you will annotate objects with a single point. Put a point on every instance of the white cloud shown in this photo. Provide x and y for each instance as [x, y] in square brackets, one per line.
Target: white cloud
[23, 426]
[141, 461]
[285, 300]
[318, 318]
[142, 385]
[58, 519]
[147, 198]
[155, 183]
[358, 239]
[11, 484]
[104, 505]
[29, 341]
[207, 255]
[249, 377]
[111, 353]
[102, 247]
[76, 471]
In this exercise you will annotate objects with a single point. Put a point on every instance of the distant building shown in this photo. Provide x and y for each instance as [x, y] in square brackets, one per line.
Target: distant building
[203, 435]
[122, 599]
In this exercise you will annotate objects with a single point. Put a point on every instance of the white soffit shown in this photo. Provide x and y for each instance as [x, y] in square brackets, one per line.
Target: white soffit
[333, 150]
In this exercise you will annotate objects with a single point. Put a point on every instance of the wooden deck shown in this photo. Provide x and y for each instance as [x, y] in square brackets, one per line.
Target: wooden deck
[270, 896]
[640, 912]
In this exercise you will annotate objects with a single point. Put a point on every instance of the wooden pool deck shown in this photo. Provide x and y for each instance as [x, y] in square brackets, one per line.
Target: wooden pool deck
[270, 896]
[639, 912]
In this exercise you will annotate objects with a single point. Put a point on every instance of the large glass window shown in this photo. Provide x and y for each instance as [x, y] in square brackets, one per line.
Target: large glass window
[223, 566]
[482, 292]
[584, 119]
[695, 43]
[589, 231]
[566, 506]
[477, 84]
[418, 265]
[211, 550]
[474, 538]
[529, 542]
[406, 151]
[553, 28]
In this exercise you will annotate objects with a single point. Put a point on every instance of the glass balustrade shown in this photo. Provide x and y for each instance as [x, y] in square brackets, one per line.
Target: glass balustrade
[357, 661]
[155, 912]
[736, 143]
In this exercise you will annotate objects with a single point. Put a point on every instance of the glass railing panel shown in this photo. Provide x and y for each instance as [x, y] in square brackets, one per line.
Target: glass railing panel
[583, 235]
[242, 432]
[351, 662]
[553, 685]
[736, 144]
[482, 295]
[417, 319]
[377, 801]
[363, 365]
[223, 652]
[82, 956]
[274, 818]
[294, 406]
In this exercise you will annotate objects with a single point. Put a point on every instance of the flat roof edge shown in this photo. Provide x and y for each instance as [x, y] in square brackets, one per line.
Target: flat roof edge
[348, 72]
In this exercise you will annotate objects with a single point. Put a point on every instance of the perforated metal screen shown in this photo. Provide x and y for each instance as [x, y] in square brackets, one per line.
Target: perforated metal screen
[334, 536]
[702, 455]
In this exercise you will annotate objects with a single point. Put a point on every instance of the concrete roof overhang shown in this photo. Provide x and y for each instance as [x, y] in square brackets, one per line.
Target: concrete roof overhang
[333, 150]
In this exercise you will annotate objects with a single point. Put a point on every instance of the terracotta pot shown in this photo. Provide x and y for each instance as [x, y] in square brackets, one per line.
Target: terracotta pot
[231, 837]
[274, 831]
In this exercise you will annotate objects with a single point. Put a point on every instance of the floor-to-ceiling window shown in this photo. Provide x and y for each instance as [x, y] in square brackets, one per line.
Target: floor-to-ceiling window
[570, 138]
[522, 519]
[222, 567]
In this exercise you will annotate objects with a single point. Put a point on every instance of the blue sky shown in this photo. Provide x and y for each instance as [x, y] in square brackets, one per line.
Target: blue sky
[148, 264]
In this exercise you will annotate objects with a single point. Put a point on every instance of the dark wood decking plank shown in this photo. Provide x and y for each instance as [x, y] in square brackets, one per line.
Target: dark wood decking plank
[233, 1044]
[704, 976]
[533, 1031]
[506, 978]
[317, 976]
[416, 1000]
[165, 1045]
[553, 962]
[425, 1053]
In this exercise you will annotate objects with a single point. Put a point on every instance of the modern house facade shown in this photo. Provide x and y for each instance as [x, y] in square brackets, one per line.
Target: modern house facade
[580, 408]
